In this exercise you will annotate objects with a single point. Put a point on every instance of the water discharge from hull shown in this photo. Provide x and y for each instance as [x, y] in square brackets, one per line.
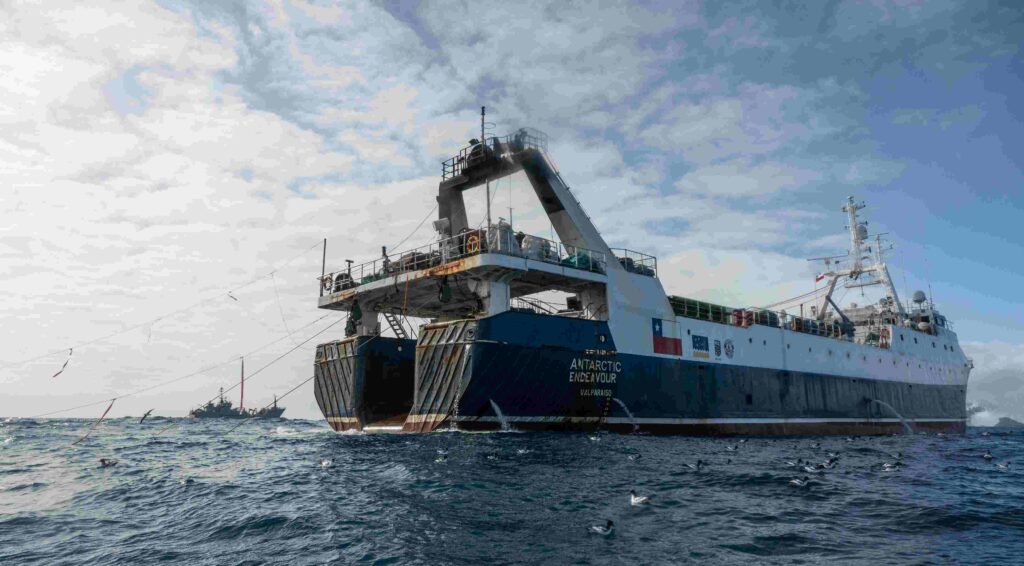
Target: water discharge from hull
[505, 426]
[910, 430]
[629, 413]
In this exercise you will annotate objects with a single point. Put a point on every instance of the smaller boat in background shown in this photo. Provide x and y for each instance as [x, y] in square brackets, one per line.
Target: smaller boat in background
[224, 409]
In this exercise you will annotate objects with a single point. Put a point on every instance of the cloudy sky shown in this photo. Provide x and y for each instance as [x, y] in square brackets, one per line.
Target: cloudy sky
[156, 157]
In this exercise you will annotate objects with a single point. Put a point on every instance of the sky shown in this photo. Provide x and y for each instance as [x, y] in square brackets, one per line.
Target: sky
[169, 170]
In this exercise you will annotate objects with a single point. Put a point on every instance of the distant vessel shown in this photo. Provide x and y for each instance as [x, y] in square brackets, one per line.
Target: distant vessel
[223, 409]
[617, 352]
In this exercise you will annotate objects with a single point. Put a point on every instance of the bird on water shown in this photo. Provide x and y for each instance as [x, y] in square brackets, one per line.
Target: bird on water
[603, 530]
[635, 499]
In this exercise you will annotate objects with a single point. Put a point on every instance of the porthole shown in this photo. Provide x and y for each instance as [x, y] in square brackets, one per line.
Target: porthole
[847, 355]
[933, 344]
[787, 346]
[764, 342]
[915, 340]
[751, 340]
[901, 337]
[687, 331]
[750, 399]
[808, 349]
[601, 338]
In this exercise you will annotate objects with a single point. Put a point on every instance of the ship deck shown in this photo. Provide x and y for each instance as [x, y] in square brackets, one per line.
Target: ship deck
[416, 292]
[411, 282]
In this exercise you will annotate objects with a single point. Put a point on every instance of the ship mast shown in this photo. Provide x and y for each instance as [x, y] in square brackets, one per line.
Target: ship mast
[879, 270]
[241, 399]
[483, 147]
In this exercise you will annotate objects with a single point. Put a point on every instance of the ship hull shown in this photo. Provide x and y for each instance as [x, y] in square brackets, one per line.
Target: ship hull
[536, 372]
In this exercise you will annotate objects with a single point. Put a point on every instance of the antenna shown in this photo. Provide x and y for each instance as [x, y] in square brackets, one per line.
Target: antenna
[928, 273]
[483, 148]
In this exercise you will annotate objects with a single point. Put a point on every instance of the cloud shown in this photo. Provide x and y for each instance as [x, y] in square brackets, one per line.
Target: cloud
[157, 155]
[742, 178]
[997, 381]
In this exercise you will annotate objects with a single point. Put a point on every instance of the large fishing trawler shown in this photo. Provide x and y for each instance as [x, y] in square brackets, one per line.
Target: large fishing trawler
[620, 354]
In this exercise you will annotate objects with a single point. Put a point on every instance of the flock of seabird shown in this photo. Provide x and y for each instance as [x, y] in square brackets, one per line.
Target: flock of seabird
[637, 500]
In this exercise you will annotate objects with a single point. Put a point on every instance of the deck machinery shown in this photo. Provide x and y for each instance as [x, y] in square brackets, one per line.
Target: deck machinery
[621, 353]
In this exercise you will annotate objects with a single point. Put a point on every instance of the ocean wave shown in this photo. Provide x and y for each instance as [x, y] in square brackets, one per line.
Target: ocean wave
[205, 494]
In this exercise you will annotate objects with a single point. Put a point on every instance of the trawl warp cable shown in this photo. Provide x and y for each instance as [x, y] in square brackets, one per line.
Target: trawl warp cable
[280, 309]
[255, 373]
[63, 367]
[232, 360]
[414, 230]
[290, 391]
[218, 296]
[277, 359]
[95, 424]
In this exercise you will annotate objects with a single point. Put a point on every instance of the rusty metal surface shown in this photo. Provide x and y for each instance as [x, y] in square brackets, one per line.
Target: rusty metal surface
[334, 384]
[443, 356]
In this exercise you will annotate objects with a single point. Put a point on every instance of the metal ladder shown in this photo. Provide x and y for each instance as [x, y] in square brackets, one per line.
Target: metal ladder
[396, 325]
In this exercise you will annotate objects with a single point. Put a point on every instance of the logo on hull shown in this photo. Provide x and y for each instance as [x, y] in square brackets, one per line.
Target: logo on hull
[700, 347]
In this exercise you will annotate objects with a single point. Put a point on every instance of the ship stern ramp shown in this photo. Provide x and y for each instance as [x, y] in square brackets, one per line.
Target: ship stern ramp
[365, 382]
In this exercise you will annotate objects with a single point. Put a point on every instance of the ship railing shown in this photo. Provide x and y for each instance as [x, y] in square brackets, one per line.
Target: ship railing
[637, 262]
[492, 148]
[748, 317]
[497, 240]
[534, 305]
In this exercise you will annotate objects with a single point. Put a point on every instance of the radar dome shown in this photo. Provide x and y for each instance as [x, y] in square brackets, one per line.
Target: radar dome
[919, 297]
[862, 232]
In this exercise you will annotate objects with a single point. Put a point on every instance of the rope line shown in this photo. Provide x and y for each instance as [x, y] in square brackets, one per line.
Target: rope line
[280, 308]
[293, 389]
[251, 417]
[220, 295]
[95, 424]
[63, 367]
[257, 372]
[416, 229]
[168, 382]
[277, 359]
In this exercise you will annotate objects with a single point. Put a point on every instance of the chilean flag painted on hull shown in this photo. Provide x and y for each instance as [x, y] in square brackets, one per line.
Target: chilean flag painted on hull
[664, 341]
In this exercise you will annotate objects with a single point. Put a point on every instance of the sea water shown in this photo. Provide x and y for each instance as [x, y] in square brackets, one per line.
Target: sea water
[198, 494]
